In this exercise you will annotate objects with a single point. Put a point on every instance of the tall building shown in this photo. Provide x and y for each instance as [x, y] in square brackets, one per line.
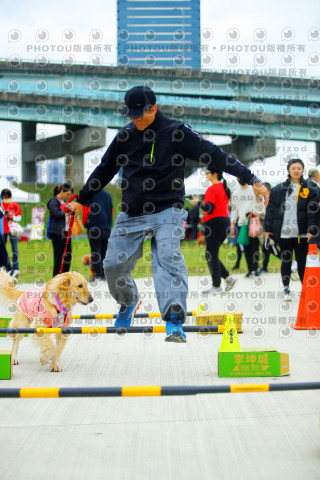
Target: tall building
[51, 171]
[159, 33]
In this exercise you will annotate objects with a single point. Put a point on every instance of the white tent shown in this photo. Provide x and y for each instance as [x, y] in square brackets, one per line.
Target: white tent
[271, 172]
[18, 195]
[197, 183]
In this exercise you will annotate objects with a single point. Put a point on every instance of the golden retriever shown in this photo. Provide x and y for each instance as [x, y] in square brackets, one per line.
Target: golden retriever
[86, 260]
[46, 307]
[201, 240]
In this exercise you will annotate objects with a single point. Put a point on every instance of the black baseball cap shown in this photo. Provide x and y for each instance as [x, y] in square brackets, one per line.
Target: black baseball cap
[138, 100]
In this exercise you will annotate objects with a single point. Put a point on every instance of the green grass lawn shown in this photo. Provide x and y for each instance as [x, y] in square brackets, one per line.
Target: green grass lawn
[36, 259]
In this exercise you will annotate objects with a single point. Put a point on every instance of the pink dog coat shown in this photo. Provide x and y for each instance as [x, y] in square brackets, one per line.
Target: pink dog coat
[32, 305]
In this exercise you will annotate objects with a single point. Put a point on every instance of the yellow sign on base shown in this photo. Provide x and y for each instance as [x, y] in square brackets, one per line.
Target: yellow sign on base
[218, 318]
[234, 361]
[230, 341]
[253, 362]
[200, 308]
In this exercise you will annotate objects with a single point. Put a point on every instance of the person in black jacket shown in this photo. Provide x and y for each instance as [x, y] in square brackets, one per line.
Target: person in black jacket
[291, 218]
[194, 220]
[98, 226]
[4, 258]
[151, 150]
[59, 228]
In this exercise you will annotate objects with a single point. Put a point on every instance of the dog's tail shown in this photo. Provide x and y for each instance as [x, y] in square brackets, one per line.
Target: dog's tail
[8, 290]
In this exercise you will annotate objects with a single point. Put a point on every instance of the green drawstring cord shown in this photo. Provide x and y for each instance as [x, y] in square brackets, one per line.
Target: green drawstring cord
[152, 148]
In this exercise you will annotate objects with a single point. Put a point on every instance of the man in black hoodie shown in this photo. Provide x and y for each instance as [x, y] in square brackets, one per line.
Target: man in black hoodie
[151, 150]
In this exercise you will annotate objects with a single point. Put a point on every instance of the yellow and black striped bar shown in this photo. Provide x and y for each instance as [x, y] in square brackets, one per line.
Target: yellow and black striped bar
[114, 315]
[152, 391]
[118, 330]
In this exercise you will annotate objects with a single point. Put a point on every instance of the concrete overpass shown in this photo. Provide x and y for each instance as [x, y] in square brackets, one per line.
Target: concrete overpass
[253, 110]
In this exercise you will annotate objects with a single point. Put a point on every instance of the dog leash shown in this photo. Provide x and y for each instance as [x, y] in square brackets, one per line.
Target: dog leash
[66, 209]
[62, 315]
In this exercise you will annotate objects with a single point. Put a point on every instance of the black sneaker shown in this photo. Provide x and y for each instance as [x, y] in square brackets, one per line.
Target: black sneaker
[250, 275]
[287, 295]
[262, 270]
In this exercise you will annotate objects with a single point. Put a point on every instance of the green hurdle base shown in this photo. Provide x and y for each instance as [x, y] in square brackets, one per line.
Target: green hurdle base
[4, 323]
[5, 365]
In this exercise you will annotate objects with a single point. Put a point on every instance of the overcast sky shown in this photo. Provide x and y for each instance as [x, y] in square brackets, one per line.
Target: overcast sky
[255, 37]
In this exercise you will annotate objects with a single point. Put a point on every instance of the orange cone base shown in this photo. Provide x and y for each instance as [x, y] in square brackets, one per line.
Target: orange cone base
[299, 327]
[308, 317]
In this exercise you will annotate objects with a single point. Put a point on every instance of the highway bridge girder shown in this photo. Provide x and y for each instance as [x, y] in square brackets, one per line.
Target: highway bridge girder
[72, 145]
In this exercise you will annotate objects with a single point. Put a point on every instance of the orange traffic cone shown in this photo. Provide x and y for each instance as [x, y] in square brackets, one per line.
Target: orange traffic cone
[309, 305]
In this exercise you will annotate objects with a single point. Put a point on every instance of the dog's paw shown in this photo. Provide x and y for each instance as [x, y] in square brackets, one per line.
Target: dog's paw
[55, 368]
[14, 361]
[44, 359]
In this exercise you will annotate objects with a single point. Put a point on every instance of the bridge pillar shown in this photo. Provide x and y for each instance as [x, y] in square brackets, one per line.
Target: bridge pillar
[74, 168]
[72, 145]
[247, 149]
[29, 167]
[318, 152]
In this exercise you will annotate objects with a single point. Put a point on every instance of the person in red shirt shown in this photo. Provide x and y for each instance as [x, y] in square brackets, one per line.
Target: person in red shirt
[12, 212]
[216, 225]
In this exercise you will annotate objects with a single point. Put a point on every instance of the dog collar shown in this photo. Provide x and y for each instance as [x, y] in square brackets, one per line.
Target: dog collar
[62, 309]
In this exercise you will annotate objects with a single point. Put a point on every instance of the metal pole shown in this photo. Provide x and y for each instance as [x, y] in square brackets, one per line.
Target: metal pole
[114, 315]
[152, 391]
[118, 330]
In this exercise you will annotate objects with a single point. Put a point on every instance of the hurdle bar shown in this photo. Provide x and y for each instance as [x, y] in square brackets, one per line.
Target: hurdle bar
[151, 391]
[119, 330]
[104, 316]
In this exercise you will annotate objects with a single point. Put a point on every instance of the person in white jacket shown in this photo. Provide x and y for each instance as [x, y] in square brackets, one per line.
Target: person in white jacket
[243, 205]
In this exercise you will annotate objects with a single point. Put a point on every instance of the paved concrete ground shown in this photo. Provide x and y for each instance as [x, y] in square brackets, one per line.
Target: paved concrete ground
[225, 436]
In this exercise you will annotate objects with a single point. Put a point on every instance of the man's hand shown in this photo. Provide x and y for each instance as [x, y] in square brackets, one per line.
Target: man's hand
[309, 236]
[260, 190]
[74, 207]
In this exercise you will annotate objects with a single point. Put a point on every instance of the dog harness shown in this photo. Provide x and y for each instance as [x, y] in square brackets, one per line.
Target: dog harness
[31, 303]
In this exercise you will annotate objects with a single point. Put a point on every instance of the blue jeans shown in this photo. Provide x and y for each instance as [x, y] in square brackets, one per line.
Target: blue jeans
[169, 270]
[14, 245]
